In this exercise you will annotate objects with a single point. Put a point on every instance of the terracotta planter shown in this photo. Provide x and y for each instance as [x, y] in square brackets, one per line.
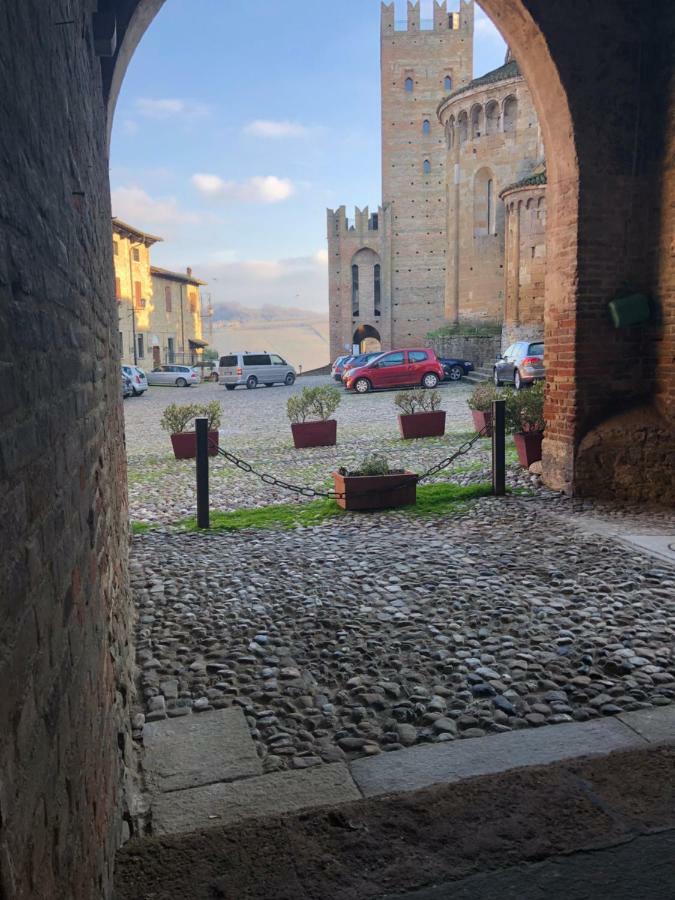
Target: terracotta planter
[376, 491]
[314, 434]
[422, 424]
[481, 419]
[185, 444]
[528, 445]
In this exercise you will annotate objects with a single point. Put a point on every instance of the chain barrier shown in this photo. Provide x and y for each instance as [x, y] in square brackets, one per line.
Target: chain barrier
[339, 495]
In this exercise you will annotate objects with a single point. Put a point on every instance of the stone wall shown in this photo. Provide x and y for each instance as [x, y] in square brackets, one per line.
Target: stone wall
[481, 351]
[525, 263]
[65, 611]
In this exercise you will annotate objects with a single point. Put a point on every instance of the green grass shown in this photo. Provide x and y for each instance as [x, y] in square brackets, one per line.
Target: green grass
[141, 527]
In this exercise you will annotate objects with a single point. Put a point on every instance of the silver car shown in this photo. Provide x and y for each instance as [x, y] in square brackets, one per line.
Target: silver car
[139, 382]
[522, 363]
[180, 376]
[253, 369]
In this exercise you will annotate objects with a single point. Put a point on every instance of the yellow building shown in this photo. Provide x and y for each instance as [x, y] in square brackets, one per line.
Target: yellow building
[159, 311]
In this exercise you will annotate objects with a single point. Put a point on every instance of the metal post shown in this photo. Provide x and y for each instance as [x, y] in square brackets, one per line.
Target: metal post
[499, 447]
[202, 429]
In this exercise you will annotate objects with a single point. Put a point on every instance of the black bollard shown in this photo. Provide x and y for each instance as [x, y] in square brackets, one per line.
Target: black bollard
[499, 447]
[202, 429]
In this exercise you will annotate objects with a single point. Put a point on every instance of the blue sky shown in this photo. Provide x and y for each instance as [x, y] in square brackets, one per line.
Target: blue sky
[239, 122]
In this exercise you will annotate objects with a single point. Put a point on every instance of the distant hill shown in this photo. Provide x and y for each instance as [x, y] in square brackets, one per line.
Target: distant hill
[302, 338]
[235, 312]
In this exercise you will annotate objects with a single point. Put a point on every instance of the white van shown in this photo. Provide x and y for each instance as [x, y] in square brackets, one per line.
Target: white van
[253, 369]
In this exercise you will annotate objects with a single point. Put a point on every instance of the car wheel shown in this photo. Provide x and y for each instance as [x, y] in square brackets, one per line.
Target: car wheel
[455, 373]
[181, 382]
[517, 383]
[213, 377]
[251, 382]
[230, 387]
[430, 380]
[362, 386]
[289, 379]
[496, 380]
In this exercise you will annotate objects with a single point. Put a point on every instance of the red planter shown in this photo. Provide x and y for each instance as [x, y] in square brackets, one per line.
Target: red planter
[376, 491]
[528, 445]
[422, 424]
[481, 419]
[185, 444]
[314, 434]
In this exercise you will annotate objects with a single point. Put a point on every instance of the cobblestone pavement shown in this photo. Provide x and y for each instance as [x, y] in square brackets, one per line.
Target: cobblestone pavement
[255, 426]
[390, 630]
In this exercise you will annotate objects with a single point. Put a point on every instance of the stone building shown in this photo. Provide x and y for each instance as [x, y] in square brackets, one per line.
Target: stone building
[159, 311]
[397, 256]
[494, 141]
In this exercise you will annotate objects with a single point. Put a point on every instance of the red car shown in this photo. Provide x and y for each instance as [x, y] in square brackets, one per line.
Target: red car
[398, 368]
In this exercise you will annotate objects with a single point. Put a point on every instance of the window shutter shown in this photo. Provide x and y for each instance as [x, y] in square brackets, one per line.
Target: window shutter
[137, 294]
[167, 297]
[118, 288]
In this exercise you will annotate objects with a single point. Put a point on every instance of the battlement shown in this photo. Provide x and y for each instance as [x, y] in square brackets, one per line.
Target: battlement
[443, 20]
[364, 221]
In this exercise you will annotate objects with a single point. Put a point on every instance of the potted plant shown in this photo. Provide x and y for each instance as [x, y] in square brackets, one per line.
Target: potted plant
[525, 418]
[318, 405]
[375, 486]
[420, 416]
[480, 404]
[176, 419]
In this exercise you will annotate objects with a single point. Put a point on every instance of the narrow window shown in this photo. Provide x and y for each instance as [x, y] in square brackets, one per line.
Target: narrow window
[490, 212]
[427, 167]
[167, 298]
[171, 350]
[137, 294]
[426, 127]
[118, 289]
[376, 290]
[447, 83]
[355, 290]
[409, 85]
[116, 248]
[121, 343]
[136, 254]
[141, 347]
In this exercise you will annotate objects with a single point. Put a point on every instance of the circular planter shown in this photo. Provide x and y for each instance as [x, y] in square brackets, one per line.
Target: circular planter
[481, 419]
[185, 444]
[314, 434]
[422, 424]
[528, 445]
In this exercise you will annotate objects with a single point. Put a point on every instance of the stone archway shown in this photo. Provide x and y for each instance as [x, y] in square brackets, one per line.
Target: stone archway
[367, 339]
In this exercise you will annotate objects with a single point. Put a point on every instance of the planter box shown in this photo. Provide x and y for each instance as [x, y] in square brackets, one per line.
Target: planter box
[422, 424]
[481, 419]
[376, 491]
[528, 445]
[314, 434]
[185, 444]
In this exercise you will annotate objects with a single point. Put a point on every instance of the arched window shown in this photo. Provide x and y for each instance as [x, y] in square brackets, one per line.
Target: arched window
[409, 85]
[447, 83]
[450, 132]
[426, 127]
[427, 167]
[377, 295]
[484, 207]
[492, 117]
[510, 114]
[355, 290]
[476, 121]
[463, 126]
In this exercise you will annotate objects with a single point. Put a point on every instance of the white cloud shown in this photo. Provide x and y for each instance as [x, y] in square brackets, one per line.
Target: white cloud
[136, 206]
[259, 189]
[267, 128]
[170, 107]
[321, 257]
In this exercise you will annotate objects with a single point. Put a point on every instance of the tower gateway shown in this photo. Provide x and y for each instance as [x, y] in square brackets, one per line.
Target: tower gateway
[387, 270]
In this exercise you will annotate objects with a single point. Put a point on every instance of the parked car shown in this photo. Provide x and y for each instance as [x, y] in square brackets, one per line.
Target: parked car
[454, 369]
[398, 368]
[207, 369]
[253, 369]
[139, 382]
[354, 362]
[127, 389]
[181, 376]
[338, 367]
[520, 364]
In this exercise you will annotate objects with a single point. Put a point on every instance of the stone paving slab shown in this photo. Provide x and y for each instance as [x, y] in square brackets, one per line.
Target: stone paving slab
[269, 795]
[654, 725]
[199, 750]
[423, 766]
[662, 546]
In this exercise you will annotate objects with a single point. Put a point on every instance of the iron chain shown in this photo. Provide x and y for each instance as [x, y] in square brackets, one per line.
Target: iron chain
[338, 495]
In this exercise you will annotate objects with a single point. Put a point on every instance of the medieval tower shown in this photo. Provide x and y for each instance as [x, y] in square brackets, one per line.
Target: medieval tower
[387, 270]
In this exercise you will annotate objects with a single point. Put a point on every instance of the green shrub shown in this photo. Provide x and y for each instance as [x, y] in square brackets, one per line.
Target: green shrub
[525, 408]
[482, 397]
[417, 400]
[374, 464]
[317, 403]
[212, 411]
[177, 417]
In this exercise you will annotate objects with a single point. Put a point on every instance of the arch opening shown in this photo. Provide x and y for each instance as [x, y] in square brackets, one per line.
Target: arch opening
[366, 339]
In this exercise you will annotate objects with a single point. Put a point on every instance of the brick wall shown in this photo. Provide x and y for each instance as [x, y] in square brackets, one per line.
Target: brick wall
[64, 606]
